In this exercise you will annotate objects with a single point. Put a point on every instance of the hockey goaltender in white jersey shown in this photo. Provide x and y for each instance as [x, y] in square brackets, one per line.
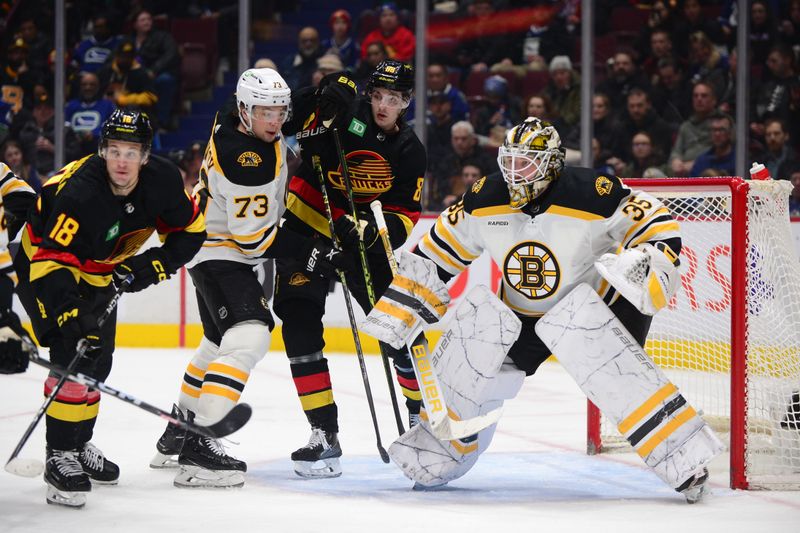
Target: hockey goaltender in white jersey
[586, 261]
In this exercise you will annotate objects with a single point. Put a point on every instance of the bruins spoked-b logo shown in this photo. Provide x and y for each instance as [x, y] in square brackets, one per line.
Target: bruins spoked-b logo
[532, 270]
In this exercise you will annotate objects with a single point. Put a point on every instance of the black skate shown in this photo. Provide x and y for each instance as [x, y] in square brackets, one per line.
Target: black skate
[694, 488]
[67, 483]
[413, 420]
[99, 469]
[169, 444]
[204, 463]
[320, 457]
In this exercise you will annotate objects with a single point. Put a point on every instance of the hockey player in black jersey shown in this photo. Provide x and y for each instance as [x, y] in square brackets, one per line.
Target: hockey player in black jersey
[242, 192]
[386, 162]
[90, 221]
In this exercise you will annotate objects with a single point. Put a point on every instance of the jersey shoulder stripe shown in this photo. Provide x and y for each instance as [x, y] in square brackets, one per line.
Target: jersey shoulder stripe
[583, 193]
[488, 196]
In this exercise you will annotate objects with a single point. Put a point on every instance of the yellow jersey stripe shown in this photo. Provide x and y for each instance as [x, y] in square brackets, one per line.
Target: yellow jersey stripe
[407, 224]
[67, 412]
[40, 269]
[572, 213]
[494, 210]
[411, 394]
[306, 213]
[316, 400]
[663, 227]
[216, 390]
[639, 413]
[447, 236]
[646, 220]
[195, 372]
[227, 370]
[431, 246]
[668, 429]
[192, 392]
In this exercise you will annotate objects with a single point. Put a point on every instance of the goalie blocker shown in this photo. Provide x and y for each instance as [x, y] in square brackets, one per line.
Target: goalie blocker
[615, 373]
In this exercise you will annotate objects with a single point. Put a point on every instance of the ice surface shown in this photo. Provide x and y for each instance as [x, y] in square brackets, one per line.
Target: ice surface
[536, 476]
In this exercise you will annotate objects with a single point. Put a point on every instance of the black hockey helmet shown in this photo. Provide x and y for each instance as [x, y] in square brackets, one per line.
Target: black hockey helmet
[392, 75]
[129, 126]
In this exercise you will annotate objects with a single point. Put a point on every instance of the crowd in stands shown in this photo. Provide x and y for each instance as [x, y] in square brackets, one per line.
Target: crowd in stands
[664, 91]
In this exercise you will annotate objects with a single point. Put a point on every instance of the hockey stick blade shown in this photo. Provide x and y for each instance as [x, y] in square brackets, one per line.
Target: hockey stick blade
[24, 467]
[230, 423]
[451, 429]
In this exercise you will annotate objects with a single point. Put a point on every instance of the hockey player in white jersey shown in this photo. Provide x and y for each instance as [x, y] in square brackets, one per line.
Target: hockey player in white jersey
[546, 225]
[242, 191]
[16, 197]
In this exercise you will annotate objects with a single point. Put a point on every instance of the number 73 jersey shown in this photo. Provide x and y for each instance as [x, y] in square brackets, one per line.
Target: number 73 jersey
[548, 247]
[242, 191]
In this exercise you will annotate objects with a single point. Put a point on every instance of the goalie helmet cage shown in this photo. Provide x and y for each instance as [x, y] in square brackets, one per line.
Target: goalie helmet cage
[730, 337]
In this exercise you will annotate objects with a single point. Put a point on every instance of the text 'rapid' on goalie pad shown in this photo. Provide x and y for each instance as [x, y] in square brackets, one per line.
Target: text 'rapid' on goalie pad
[467, 369]
[415, 297]
[627, 386]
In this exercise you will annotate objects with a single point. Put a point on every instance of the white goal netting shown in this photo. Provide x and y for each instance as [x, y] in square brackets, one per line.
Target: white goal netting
[692, 339]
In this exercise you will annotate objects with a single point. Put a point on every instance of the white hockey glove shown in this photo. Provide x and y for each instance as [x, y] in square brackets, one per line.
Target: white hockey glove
[647, 276]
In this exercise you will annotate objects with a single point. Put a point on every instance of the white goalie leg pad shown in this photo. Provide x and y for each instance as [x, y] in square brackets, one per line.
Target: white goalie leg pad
[415, 297]
[206, 352]
[431, 462]
[242, 347]
[620, 378]
[647, 276]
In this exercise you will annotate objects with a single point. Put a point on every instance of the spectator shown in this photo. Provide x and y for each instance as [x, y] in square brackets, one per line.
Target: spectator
[727, 102]
[624, 77]
[190, 164]
[660, 48]
[763, 32]
[722, 154]
[640, 116]
[341, 42]
[794, 197]
[484, 43]
[773, 97]
[92, 53]
[14, 156]
[158, 55]
[16, 78]
[439, 123]
[497, 108]
[376, 52]
[37, 134]
[601, 157]
[706, 63]
[463, 147]
[439, 82]
[672, 94]
[299, 68]
[606, 125]
[644, 156]
[86, 114]
[779, 156]
[470, 174]
[546, 38]
[399, 40]
[326, 64]
[564, 90]
[39, 44]
[789, 29]
[125, 82]
[691, 22]
[694, 134]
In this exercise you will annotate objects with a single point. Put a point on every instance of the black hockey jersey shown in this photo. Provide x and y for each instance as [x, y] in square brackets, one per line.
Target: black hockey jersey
[386, 167]
[79, 230]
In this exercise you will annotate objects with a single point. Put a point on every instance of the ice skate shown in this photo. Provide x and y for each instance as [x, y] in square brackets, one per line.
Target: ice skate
[695, 488]
[204, 463]
[169, 444]
[413, 420]
[320, 457]
[67, 483]
[99, 469]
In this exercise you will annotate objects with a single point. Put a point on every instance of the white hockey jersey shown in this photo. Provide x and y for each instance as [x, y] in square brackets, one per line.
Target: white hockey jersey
[9, 184]
[547, 248]
[242, 192]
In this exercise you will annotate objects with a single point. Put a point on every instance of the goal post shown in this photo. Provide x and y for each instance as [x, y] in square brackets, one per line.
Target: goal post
[730, 337]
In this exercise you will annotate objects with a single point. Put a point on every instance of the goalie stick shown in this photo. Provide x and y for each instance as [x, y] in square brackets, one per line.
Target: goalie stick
[440, 418]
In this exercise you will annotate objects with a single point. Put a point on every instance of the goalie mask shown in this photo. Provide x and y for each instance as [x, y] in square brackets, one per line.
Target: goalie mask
[530, 158]
[262, 87]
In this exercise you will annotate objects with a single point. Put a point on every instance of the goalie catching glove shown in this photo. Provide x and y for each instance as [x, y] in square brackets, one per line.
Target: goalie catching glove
[148, 268]
[647, 276]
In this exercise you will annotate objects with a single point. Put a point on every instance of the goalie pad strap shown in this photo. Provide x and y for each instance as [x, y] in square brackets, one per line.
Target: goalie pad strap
[408, 301]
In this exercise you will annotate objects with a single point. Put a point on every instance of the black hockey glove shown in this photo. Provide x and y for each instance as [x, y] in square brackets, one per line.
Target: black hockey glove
[348, 233]
[148, 268]
[15, 344]
[75, 324]
[324, 260]
[336, 94]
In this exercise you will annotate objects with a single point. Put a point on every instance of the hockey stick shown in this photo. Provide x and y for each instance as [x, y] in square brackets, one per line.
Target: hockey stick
[362, 252]
[350, 314]
[34, 467]
[443, 425]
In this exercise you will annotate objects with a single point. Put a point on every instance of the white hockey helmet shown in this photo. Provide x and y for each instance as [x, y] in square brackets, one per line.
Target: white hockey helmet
[530, 158]
[263, 87]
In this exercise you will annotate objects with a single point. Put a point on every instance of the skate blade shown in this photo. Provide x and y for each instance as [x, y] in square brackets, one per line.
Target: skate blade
[160, 460]
[103, 481]
[73, 500]
[196, 477]
[695, 494]
[324, 468]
